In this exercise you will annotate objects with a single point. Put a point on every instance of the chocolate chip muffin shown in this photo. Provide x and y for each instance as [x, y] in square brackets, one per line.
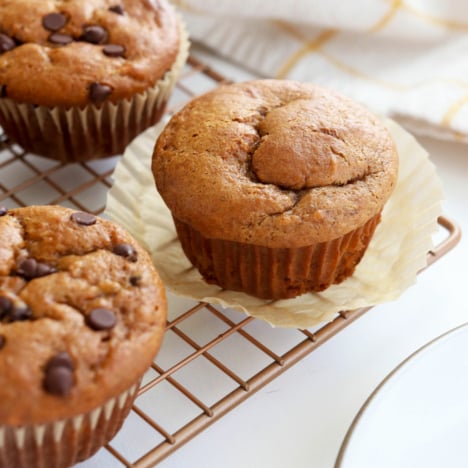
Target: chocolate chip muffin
[80, 79]
[275, 187]
[82, 315]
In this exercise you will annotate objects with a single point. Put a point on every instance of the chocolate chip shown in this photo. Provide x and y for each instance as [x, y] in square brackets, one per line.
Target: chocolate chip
[60, 39]
[27, 268]
[2, 341]
[3, 91]
[101, 319]
[5, 306]
[125, 250]
[43, 269]
[11, 313]
[31, 268]
[3, 210]
[135, 280]
[19, 314]
[114, 50]
[119, 9]
[58, 370]
[58, 380]
[99, 92]
[62, 359]
[6, 43]
[94, 34]
[54, 21]
[85, 219]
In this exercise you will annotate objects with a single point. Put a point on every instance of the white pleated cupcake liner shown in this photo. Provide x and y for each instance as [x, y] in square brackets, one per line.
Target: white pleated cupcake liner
[64, 442]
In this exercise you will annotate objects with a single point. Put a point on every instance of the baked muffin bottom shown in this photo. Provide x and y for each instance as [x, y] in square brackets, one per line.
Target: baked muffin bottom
[275, 273]
[68, 441]
[73, 135]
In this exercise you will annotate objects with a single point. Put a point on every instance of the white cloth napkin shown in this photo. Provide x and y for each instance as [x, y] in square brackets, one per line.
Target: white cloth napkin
[407, 59]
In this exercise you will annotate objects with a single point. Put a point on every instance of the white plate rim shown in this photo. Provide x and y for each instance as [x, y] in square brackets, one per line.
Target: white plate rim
[360, 415]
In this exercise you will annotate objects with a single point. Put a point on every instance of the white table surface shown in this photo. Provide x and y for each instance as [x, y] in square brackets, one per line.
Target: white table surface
[299, 420]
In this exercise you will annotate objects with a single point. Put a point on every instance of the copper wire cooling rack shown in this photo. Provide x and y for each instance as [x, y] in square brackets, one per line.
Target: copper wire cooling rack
[172, 408]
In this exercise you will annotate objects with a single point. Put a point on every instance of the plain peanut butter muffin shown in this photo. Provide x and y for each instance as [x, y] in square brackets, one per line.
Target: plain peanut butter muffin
[275, 186]
[79, 79]
[82, 316]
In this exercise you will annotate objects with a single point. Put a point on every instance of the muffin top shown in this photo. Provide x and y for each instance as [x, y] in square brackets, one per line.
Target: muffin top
[274, 163]
[72, 52]
[82, 313]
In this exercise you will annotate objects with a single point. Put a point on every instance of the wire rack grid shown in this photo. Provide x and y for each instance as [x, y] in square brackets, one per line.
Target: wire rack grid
[172, 408]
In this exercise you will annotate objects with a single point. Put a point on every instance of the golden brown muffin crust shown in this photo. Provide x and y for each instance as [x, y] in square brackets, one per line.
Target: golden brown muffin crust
[86, 274]
[275, 163]
[37, 71]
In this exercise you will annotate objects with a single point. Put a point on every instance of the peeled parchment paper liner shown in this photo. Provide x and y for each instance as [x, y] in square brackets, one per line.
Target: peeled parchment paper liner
[78, 134]
[65, 442]
[395, 255]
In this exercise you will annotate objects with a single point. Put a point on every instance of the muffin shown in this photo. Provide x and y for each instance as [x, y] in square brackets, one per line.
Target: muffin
[80, 79]
[82, 315]
[275, 187]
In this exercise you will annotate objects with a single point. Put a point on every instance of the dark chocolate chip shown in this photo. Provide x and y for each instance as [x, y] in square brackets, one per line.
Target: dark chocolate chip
[114, 50]
[31, 268]
[101, 319]
[125, 250]
[59, 374]
[62, 359]
[85, 219]
[27, 268]
[43, 269]
[60, 39]
[19, 314]
[99, 92]
[2, 341]
[54, 21]
[11, 313]
[3, 210]
[94, 34]
[5, 306]
[58, 380]
[3, 91]
[135, 280]
[6, 43]
[119, 9]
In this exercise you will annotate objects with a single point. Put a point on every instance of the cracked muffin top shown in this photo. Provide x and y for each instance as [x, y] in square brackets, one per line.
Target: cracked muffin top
[82, 313]
[68, 52]
[274, 163]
